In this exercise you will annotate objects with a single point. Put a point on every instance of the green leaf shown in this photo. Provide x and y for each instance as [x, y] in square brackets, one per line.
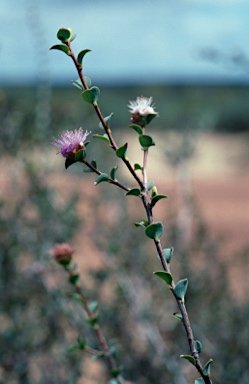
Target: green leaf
[113, 381]
[198, 346]
[77, 297]
[150, 117]
[101, 178]
[98, 356]
[167, 253]
[207, 367]
[88, 81]
[107, 120]
[93, 305]
[121, 151]
[154, 191]
[191, 359]
[199, 381]
[73, 348]
[146, 141]
[93, 320]
[142, 224]
[166, 276]
[69, 162]
[91, 95]
[64, 34]
[138, 167]
[181, 288]
[81, 55]
[150, 185]
[133, 192]
[80, 155]
[137, 128]
[81, 342]
[94, 164]
[73, 266]
[61, 47]
[154, 231]
[116, 371]
[113, 173]
[103, 136]
[78, 84]
[74, 279]
[73, 37]
[178, 316]
[156, 198]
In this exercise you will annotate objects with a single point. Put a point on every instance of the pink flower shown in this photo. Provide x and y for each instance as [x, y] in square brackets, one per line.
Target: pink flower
[70, 142]
[62, 253]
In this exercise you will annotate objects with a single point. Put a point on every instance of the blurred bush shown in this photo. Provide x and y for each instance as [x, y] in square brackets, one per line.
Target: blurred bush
[137, 308]
[38, 320]
[34, 313]
[26, 118]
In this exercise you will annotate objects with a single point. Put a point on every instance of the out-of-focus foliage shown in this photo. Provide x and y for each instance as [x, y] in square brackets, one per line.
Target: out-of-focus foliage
[38, 319]
[34, 312]
[140, 311]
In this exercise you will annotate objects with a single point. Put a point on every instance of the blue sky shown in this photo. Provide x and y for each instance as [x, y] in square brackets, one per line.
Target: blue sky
[131, 41]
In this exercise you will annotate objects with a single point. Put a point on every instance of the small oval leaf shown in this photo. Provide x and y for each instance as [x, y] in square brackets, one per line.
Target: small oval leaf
[93, 305]
[73, 37]
[91, 95]
[146, 141]
[107, 120]
[69, 162]
[150, 185]
[94, 164]
[82, 54]
[88, 81]
[200, 380]
[121, 151]
[150, 117]
[77, 83]
[181, 288]
[113, 173]
[207, 367]
[61, 47]
[167, 253]
[133, 192]
[64, 34]
[156, 198]
[142, 224]
[198, 346]
[102, 137]
[178, 316]
[154, 191]
[101, 178]
[191, 359]
[166, 276]
[80, 155]
[154, 231]
[138, 167]
[137, 128]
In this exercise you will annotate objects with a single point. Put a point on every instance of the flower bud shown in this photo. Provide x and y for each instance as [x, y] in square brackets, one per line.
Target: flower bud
[62, 253]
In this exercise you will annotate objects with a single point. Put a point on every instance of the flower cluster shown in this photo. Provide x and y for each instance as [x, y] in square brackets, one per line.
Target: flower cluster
[71, 142]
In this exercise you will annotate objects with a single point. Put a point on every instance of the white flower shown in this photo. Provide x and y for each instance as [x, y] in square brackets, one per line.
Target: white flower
[142, 106]
[142, 111]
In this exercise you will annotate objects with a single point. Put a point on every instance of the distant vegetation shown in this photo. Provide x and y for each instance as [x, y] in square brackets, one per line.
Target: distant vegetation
[219, 108]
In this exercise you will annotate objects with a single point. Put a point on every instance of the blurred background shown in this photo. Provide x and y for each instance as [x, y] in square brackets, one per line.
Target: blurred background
[192, 57]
